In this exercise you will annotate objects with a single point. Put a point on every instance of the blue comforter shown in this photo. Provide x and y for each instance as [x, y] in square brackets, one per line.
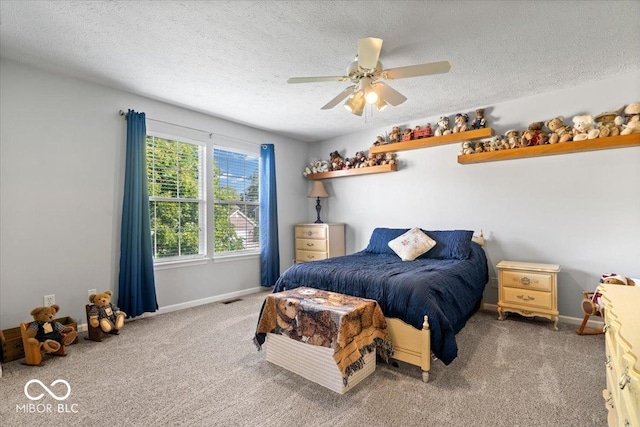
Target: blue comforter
[447, 291]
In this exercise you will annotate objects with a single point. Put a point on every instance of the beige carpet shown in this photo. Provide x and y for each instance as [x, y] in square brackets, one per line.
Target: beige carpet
[199, 367]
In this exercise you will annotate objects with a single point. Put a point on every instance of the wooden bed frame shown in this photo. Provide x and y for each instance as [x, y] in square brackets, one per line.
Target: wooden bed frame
[413, 345]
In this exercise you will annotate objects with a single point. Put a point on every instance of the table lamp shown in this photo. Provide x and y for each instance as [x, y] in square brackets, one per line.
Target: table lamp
[318, 191]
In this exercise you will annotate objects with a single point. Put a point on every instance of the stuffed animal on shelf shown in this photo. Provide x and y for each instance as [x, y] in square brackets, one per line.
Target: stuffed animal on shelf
[467, 148]
[583, 128]
[443, 126]
[361, 160]
[479, 121]
[559, 131]
[534, 135]
[389, 159]
[460, 123]
[51, 336]
[394, 136]
[513, 138]
[336, 162]
[379, 140]
[104, 314]
[609, 124]
[407, 134]
[632, 119]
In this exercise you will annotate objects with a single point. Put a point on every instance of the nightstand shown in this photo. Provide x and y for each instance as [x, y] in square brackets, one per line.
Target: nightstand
[319, 241]
[529, 289]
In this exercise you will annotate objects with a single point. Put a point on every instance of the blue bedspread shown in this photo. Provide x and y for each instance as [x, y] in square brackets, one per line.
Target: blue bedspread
[448, 291]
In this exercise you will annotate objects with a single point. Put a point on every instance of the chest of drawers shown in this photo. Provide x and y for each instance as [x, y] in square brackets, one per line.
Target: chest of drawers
[319, 241]
[529, 289]
[622, 347]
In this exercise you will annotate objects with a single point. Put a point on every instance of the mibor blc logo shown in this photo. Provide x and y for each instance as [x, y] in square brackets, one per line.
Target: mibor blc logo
[34, 389]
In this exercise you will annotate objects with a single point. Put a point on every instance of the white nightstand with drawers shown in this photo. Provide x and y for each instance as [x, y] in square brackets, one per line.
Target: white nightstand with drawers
[319, 241]
[529, 289]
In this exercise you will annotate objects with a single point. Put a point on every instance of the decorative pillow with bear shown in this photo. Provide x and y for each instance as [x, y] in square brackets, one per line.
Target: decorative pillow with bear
[412, 244]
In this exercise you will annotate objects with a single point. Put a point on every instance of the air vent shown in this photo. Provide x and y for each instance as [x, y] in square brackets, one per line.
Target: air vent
[232, 300]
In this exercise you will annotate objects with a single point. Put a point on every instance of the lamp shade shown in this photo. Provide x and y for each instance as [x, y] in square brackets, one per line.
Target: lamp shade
[318, 190]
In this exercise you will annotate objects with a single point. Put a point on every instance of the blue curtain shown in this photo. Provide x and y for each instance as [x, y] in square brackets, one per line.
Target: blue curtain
[136, 284]
[269, 248]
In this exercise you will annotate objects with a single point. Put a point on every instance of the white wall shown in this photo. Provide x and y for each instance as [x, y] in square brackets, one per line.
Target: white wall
[62, 166]
[581, 211]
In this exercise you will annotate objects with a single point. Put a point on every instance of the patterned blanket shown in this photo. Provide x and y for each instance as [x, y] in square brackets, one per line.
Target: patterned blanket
[351, 326]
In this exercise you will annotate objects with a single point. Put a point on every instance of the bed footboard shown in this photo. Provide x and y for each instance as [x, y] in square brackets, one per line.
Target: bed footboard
[411, 345]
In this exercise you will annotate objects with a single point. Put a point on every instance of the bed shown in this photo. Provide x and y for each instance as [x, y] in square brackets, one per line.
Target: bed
[425, 301]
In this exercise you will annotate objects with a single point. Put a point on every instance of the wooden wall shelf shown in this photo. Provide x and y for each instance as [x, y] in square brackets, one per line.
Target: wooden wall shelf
[620, 141]
[432, 141]
[355, 171]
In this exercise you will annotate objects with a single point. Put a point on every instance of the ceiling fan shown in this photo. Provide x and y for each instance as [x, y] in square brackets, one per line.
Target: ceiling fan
[366, 73]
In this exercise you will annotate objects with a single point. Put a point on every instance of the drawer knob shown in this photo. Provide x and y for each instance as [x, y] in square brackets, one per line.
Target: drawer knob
[526, 297]
[310, 256]
[309, 233]
[525, 280]
[310, 244]
[624, 380]
[606, 327]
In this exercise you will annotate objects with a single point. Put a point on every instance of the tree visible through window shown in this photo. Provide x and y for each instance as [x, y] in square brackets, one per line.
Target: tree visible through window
[236, 201]
[176, 197]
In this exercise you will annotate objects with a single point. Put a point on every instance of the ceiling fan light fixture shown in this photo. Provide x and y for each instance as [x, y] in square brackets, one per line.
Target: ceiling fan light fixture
[355, 103]
[371, 96]
[381, 104]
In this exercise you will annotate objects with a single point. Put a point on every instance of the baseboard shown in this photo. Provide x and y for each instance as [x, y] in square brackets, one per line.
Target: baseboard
[563, 319]
[82, 327]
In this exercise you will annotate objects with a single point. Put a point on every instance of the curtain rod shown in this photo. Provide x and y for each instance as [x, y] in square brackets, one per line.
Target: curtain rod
[124, 114]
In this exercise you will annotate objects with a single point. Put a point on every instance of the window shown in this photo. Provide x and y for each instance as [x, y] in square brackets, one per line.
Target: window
[236, 202]
[176, 198]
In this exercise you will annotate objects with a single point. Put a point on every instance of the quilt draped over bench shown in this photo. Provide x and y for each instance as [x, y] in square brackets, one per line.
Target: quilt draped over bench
[351, 326]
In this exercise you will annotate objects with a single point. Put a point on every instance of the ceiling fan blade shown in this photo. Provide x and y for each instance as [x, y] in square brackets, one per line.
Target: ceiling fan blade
[369, 52]
[317, 79]
[335, 101]
[417, 70]
[389, 94]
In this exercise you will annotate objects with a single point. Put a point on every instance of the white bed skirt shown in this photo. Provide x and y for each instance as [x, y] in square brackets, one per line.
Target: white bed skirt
[314, 363]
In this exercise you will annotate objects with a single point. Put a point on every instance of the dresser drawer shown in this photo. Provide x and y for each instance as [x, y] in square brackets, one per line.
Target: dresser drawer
[528, 298]
[311, 232]
[528, 280]
[310, 256]
[311, 245]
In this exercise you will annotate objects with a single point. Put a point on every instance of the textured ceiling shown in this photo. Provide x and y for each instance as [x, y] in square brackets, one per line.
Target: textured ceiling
[231, 59]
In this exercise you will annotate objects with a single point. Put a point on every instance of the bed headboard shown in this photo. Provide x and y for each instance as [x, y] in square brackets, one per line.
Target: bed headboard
[479, 239]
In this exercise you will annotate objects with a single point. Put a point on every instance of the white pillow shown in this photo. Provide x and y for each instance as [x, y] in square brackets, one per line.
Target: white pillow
[412, 244]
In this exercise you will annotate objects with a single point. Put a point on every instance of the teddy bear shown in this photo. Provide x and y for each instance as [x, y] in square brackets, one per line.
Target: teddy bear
[559, 131]
[479, 121]
[51, 336]
[379, 140]
[583, 128]
[394, 136]
[443, 126]
[337, 162]
[372, 160]
[610, 123]
[512, 138]
[389, 159]
[315, 328]
[104, 314]
[632, 119]
[534, 135]
[460, 123]
[466, 148]
[407, 134]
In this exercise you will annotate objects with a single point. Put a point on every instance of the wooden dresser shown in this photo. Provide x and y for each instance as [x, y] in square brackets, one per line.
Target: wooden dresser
[622, 345]
[529, 289]
[319, 241]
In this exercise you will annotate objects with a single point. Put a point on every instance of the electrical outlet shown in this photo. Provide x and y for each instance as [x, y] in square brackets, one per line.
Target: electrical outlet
[49, 300]
[91, 292]
[494, 282]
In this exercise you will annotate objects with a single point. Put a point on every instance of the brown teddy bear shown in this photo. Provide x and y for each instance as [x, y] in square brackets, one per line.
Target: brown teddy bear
[104, 314]
[49, 335]
[534, 135]
[559, 131]
[316, 328]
